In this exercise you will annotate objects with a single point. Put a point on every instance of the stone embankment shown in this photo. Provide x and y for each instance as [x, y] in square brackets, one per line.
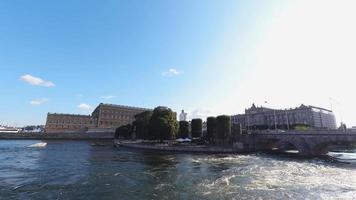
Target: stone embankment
[180, 148]
[59, 136]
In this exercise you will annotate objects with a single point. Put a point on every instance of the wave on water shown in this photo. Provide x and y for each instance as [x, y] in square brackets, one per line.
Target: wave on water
[343, 156]
[40, 144]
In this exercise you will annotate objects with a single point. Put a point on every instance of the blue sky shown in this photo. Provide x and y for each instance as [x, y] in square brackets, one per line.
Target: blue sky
[207, 57]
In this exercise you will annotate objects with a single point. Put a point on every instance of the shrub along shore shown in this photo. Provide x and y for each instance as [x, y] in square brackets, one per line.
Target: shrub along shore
[161, 125]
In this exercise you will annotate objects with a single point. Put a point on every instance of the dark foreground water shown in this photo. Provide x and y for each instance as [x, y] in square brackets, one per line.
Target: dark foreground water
[78, 170]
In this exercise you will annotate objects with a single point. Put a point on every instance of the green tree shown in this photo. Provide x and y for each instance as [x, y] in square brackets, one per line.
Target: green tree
[163, 124]
[197, 128]
[183, 129]
[141, 123]
[124, 132]
[223, 127]
[211, 128]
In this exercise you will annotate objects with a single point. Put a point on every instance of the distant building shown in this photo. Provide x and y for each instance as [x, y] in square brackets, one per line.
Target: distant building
[113, 116]
[57, 122]
[33, 129]
[267, 118]
[104, 116]
[7, 129]
[183, 116]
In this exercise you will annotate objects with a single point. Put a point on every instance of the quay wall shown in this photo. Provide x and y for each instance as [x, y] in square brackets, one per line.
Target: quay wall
[188, 149]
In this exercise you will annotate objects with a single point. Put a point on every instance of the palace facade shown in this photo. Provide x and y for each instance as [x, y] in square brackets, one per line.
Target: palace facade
[267, 118]
[104, 116]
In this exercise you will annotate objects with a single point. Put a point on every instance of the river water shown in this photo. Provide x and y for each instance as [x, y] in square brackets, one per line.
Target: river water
[79, 170]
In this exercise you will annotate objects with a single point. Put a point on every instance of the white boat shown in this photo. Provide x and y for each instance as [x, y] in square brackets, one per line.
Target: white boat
[40, 144]
[8, 130]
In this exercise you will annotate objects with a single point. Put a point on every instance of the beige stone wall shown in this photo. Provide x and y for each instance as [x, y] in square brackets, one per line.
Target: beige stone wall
[105, 116]
[67, 122]
[113, 116]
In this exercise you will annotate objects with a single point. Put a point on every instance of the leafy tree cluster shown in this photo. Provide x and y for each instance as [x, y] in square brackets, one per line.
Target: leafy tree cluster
[197, 128]
[223, 126]
[183, 129]
[124, 132]
[163, 124]
[211, 128]
[219, 128]
[141, 124]
[159, 124]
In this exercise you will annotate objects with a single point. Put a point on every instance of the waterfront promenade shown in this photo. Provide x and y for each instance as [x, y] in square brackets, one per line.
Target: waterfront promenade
[179, 148]
[311, 143]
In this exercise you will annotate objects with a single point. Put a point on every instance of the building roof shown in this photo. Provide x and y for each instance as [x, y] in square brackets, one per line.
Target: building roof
[122, 106]
[261, 109]
[65, 114]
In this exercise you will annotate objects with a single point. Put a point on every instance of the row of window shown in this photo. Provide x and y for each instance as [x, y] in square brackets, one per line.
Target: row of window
[112, 123]
[71, 122]
[65, 127]
[116, 116]
[117, 112]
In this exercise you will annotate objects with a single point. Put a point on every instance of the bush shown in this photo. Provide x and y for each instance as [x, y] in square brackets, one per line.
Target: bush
[211, 128]
[163, 124]
[197, 128]
[141, 123]
[223, 127]
[183, 129]
[124, 132]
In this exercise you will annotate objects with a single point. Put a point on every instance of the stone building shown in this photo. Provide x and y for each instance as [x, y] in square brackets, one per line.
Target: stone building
[69, 122]
[104, 116]
[267, 118]
[113, 116]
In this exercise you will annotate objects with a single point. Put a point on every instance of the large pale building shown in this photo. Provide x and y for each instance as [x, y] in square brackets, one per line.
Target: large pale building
[105, 116]
[113, 116]
[267, 118]
[69, 122]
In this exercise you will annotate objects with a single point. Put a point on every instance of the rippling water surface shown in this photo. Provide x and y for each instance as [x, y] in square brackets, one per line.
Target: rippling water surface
[78, 170]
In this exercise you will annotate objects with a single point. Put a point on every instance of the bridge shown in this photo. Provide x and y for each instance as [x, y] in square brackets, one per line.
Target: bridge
[308, 143]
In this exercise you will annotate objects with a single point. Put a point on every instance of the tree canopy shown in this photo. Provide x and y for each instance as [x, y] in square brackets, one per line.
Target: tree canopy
[124, 132]
[223, 127]
[197, 128]
[183, 129]
[211, 128]
[163, 124]
[141, 125]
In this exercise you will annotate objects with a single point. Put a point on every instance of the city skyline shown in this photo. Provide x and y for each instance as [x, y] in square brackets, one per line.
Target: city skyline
[205, 57]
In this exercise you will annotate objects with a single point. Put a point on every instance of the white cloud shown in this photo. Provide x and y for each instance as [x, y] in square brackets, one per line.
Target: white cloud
[200, 113]
[84, 107]
[38, 101]
[108, 97]
[171, 72]
[36, 81]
